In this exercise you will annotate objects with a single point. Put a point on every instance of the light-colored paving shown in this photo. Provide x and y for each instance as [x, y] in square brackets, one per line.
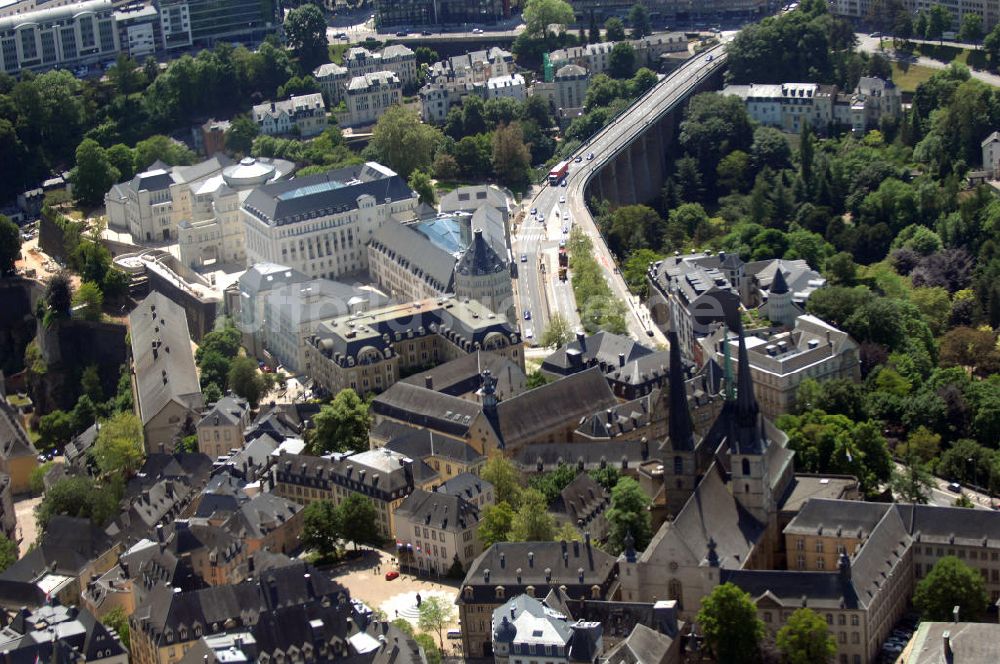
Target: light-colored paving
[27, 531]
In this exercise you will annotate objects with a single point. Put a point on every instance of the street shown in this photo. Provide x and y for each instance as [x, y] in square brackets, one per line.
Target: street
[540, 242]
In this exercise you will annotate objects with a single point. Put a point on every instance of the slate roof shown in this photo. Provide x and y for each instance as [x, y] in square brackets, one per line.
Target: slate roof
[855, 519]
[227, 410]
[443, 511]
[548, 456]
[152, 180]
[376, 472]
[426, 408]
[601, 348]
[67, 546]
[933, 524]
[787, 588]
[14, 441]
[262, 514]
[162, 357]
[56, 633]
[76, 450]
[552, 405]
[418, 255]
[642, 646]
[711, 513]
[498, 565]
[480, 258]
[970, 642]
[583, 500]
[622, 418]
[463, 375]
[466, 486]
[337, 190]
[420, 443]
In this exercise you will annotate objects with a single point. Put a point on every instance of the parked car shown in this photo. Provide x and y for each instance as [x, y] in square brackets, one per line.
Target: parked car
[527, 314]
[578, 159]
[562, 199]
[389, 576]
[534, 211]
[955, 487]
[524, 258]
[454, 633]
[590, 156]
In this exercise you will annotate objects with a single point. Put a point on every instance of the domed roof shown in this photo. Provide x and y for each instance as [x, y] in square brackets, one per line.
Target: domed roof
[505, 631]
[247, 173]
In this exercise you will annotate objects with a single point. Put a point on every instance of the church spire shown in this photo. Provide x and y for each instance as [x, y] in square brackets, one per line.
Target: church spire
[681, 431]
[749, 423]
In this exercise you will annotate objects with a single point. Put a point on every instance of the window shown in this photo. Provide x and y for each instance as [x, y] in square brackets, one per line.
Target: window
[819, 546]
[745, 466]
[854, 620]
[841, 619]
[800, 544]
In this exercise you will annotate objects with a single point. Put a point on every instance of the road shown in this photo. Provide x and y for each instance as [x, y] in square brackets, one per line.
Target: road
[537, 290]
[941, 496]
[884, 46]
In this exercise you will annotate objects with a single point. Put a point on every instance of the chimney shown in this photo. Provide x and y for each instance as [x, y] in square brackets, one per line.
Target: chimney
[581, 339]
[503, 560]
[429, 382]
[948, 654]
[610, 414]
[486, 575]
[954, 613]
[645, 448]
[159, 534]
[250, 565]
[621, 359]
[307, 578]
[665, 617]
[531, 559]
[586, 539]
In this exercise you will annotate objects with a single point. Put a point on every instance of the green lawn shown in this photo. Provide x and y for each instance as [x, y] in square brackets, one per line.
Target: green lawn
[908, 77]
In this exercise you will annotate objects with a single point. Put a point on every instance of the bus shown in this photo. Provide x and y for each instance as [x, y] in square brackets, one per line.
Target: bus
[559, 172]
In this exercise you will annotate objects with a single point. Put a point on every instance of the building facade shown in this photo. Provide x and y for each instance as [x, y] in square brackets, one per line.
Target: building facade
[320, 224]
[434, 530]
[303, 115]
[439, 12]
[370, 352]
[75, 34]
[368, 96]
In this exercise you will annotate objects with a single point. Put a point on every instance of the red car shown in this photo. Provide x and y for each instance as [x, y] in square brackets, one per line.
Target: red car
[389, 576]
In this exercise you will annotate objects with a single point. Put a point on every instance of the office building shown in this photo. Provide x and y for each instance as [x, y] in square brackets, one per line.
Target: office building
[203, 23]
[439, 12]
[70, 35]
[320, 224]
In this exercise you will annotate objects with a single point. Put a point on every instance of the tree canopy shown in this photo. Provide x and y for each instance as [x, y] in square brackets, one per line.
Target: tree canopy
[805, 638]
[951, 583]
[341, 426]
[729, 623]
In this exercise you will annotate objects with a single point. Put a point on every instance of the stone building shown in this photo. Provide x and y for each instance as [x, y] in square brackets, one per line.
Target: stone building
[484, 276]
[434, 530]
[369, 352]
[368, 96]
[320, 224]
[220, 430]
[303, 115]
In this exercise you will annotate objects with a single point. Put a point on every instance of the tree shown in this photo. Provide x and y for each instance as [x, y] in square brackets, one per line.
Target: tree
[505, 479]
[55, 429]
[420, 182]
[359, 520]
[912, 482]
[972, 28]
[402, 142]
[805, 639]
[305, 32]
[10, 245]
[431, 650]
[495, 523]
[614, 29]
[532, 521]
[594, 32]
[341, 426]
[922, 444]
[966, 347]
[90, 384]
[635, 268]
[729, 623]
[321, 527]
[938, 20]
[239, 137]
[78, 497]
[621, 62]
[117, 620]
[225, 342]
[540, 14]
[245, 380]
[557, 333]
[118, 449]
[951, 583]
[732, 172]
[991, 44]
[93, 174]
[629, 513]
[638, 18]
[769, 149]
[90, 299]
[435, 614]
[511, 159]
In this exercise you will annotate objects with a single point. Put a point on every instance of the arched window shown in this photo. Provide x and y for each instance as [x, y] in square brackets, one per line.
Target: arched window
[678, 465]
[746, 467]
[675, 591]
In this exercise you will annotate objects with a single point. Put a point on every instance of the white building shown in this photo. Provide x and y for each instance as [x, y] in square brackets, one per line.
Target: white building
[475, 67]
[596, 58]
[332, 80]
[527, 629]
[452, 80]
[68, 35]
[790, 106]
[213, 233]
[369, 96]
[304, 114]
[279, 307]
[441, 528]
[511, 85]
[320, 224]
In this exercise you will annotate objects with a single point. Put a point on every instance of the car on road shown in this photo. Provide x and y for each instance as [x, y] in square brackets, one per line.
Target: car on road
[563, 183]
[578, 159]
[709, 58]
[528, 334]
[527, 314]
[534, 211]
[955, 487]
[341, 35]
[477, 31]
[875, 35]
[524, 258]
[590, 156]
[562, 199]
[393, 574]
[426, 33]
